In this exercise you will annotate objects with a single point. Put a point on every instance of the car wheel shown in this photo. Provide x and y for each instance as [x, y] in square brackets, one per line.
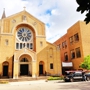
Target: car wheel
[71, 80]
[84, 78]
[88, 78]
[65, 80]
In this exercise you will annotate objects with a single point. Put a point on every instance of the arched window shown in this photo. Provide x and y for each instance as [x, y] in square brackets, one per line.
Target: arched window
[5, 63]
[66, 56]
[24, 60]
[24, 38]
[73, 55]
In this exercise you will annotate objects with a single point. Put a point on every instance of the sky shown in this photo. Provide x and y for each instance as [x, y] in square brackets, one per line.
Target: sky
[58, 15]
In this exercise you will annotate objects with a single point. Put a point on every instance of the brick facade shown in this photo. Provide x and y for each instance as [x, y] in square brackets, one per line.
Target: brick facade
[78, 41]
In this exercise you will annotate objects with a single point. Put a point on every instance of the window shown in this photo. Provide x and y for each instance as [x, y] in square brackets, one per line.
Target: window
[24, 45]
[31, 46]
[63, 44]
[51, 65]
[41, 43]
[20, 45]
[71, 39]
[66, 56]
[17, 45]
[72, 54]
[6, 42]
[24, 34]
[78, 53]
[24, 60]
[27, 45]
[58, 46]
[76, 37]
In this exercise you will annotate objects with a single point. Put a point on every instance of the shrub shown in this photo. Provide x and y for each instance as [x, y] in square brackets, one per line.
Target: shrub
[86, 63]
[4, 82]
[55, 78]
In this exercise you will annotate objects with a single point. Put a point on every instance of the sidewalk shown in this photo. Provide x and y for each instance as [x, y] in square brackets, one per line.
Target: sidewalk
[27, 82]
[31, 85]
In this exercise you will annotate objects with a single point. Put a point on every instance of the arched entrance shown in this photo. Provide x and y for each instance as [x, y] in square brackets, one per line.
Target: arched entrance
[25, 66]
[5, 68]
[41, 68]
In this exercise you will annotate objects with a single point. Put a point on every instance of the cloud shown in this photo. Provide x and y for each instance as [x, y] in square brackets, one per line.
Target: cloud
[55, 12]
[58, 15]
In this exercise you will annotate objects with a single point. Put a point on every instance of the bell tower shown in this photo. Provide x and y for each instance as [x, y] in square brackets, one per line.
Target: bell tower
[3, 15]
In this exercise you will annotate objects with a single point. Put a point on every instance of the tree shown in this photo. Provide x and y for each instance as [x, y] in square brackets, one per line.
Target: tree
[84, 5]
[86, 63]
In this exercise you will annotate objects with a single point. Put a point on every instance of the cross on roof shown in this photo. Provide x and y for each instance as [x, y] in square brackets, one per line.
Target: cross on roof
[24, 8]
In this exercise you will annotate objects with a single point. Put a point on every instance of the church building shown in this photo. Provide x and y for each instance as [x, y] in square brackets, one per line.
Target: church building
[24, 50]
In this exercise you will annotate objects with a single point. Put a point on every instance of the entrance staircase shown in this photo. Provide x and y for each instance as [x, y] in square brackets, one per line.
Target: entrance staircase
[24, 78]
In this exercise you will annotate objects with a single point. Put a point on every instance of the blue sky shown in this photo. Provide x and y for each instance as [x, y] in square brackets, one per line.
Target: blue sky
[58, 15]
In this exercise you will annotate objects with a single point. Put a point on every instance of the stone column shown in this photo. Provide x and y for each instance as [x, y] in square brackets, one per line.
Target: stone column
[1, 71]
[15, 69]
[34, 73]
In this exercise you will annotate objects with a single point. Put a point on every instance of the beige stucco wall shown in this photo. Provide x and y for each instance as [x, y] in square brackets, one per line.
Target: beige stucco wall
[8, 52]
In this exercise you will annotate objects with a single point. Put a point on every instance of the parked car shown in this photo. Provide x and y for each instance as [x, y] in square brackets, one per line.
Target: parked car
[87, 74]
[76, 75]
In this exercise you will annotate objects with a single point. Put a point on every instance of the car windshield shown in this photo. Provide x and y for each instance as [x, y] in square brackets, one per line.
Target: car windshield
[78, 72]
[69, 73]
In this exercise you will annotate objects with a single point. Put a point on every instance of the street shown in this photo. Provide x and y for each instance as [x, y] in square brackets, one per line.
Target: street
[43, 85]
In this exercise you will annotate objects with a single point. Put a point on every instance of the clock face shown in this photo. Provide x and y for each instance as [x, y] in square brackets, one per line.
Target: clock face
[24, 34]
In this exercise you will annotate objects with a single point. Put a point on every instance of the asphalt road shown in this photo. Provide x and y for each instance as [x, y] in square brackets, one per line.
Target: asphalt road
[43, 85]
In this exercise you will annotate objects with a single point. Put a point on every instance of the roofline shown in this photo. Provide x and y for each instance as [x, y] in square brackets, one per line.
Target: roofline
[21, 12]
[51, 43]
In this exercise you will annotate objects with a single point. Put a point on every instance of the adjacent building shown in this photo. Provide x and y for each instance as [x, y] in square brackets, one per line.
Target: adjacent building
[24, 49]
[74, 45]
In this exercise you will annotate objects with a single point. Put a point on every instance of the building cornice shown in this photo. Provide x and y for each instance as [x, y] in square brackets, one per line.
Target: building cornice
[10, 34]
[41, 36]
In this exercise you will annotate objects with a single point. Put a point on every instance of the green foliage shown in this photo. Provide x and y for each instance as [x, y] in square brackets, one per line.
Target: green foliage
[84, 5]
[55, 78]
[86, 63]
[4, 82]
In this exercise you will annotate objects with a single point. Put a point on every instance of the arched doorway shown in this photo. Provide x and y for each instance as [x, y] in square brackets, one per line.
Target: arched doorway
[25, 65]
[5, 68]
[41, 68]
